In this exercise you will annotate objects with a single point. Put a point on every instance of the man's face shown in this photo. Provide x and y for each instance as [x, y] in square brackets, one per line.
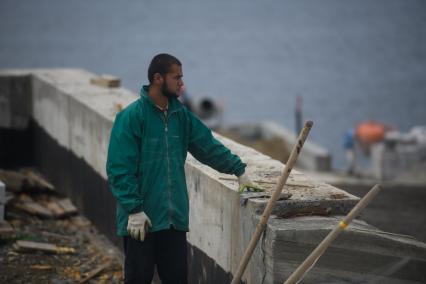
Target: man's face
[172, 82]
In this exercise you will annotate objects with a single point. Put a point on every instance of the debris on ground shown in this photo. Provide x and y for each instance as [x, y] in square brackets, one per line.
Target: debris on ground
[24, 180]
[43, 247]
[44, 240]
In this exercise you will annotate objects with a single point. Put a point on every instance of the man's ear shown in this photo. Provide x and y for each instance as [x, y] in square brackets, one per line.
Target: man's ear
[158, 78]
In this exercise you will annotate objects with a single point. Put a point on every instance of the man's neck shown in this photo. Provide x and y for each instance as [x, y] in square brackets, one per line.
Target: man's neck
[158, 98]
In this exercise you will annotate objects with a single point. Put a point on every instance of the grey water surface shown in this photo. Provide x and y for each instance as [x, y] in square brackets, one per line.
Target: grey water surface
[349, 60]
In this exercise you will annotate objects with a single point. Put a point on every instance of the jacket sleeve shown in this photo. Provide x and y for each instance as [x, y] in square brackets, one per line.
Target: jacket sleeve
[208, 150]
[123, 160]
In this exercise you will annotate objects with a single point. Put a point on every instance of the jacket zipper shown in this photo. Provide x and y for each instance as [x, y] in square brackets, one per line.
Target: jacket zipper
[169, 193]
[166, 117]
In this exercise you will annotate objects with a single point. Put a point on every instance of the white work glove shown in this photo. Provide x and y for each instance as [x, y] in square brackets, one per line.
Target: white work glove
[245, 182]
[138, 225]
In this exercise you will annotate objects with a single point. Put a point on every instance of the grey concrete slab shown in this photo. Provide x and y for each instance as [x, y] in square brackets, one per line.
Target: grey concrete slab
[364, 252]
[2, 212]
[2, 193]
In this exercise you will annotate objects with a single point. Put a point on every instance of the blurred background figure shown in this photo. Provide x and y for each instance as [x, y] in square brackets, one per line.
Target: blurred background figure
[206, 108]
[298, 114]
[349, 146]
[369, 132]
[361, 139]
[183, 97]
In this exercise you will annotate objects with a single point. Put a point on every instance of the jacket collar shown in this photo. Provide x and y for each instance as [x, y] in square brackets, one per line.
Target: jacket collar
[174, 103]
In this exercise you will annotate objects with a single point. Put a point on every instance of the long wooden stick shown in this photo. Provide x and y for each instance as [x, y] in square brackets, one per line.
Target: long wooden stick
[267, 212]
[310, 261]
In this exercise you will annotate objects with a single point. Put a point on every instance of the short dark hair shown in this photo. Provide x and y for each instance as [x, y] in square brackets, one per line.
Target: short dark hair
[161, 63]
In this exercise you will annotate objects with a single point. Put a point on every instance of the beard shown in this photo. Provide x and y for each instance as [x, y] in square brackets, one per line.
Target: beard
[167, 92]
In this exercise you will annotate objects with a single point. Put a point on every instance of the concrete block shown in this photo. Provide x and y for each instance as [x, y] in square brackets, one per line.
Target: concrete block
[389, 163]
[15, 101]
[354, 255]
[83, 113]
[222, 221]
[51, 111]
[2, 193]
[1, 212]
[2, 199]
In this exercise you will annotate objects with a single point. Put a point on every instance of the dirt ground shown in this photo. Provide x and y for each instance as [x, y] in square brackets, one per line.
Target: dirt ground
[95, 260]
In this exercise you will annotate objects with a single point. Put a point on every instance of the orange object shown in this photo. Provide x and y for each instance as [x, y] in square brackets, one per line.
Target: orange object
[370, 131]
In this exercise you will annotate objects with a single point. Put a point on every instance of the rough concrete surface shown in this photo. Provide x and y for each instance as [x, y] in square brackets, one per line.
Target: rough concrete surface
[399, 207]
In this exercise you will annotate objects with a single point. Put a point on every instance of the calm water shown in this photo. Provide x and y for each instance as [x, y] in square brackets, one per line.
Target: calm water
[349, 60]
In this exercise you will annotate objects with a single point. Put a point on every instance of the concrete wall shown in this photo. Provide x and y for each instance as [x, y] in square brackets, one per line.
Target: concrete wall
[2, 199]
[392, 160]
[15, 100]
[76, 117]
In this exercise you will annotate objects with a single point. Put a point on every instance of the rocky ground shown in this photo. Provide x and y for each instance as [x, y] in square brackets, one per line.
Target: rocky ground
[80, 254]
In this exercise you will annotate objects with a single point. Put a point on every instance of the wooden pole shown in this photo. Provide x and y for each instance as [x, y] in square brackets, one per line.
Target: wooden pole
[267, 212]
[310, 261]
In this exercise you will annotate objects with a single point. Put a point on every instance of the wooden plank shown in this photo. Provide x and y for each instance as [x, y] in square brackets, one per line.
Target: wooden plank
[107, 81]
[94, 272]
[37, 180]
[80, 221]
[14, 181]
[57, 236]
[44, 247]
[36, 246]
[56, 209]
[6, 230]
[67, 205]
[24, 180]
[41, 267]
[35, 209]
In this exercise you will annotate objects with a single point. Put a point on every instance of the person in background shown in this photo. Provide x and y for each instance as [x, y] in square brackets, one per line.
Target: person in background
[362, 138]
[349, 146]
[147, 150]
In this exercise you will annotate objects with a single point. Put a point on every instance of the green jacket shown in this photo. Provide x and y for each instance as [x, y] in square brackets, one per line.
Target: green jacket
[146, 158]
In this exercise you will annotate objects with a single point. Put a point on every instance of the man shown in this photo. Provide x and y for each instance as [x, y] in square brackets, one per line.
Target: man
[146, 156]
[349, 146]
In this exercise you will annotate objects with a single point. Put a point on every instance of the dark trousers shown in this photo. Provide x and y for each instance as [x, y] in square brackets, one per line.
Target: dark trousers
[167, 249]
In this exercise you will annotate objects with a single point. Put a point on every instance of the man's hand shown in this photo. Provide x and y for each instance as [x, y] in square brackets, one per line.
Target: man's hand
[245, 183]
[138, 225]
